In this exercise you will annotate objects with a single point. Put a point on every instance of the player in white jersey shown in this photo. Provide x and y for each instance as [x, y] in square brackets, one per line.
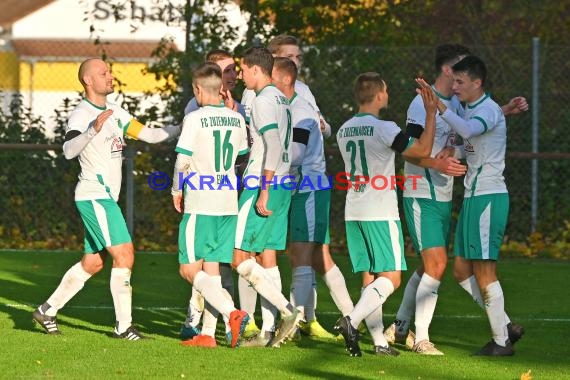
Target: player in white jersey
[428, 208]
[95, 133]
[287, 46]
[212, 137]
[483, 216]
[373, 230]
[310, 202]
[264, 202]
[227, 64]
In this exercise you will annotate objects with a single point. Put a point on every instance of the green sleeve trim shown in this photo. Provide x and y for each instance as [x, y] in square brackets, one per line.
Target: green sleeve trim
[124, 127]
[242, 152]
[268, 127]
[482, 121]
[410, 143]
[183, 151]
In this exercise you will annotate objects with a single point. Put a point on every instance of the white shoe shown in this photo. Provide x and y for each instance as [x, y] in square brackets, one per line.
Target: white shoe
[399, 332]
[425, 347]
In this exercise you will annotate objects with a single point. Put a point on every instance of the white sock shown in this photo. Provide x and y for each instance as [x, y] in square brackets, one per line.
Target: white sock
[226, 319]
[122, 297]
[408, 305]
[262, 282]
[495, 308]
[195, 309]
[338, 290]
[426, 299]
[373, 296]
[247, 296]
[311, 305]
[268, 311]
[301, 287]
[470, 285]
[211, 290]
[210, 319]
[376, 326]
[71, 283]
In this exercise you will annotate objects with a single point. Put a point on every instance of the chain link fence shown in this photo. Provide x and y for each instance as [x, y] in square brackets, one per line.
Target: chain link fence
[37, 183]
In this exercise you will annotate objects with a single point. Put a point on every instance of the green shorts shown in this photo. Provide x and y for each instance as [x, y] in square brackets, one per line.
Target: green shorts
[207, 237]
[428, 222]
[309, 216]
[104, 224]
[375, 246]
[254, 232]
[481, 226]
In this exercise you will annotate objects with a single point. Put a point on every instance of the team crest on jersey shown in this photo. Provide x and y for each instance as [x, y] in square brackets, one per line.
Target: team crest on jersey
[116, 145]
[469, 147]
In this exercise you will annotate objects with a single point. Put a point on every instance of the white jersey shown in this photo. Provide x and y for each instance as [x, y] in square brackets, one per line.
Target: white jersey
[270, 109]
[247, 100]
[432, 183]
[305, 92]
[213, 137]
[365, 145]
[102, 158]
[312, 165]
[486, 153]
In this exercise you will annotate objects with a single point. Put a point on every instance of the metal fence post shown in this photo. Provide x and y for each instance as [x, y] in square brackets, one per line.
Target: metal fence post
[535, 130]
[130, 182]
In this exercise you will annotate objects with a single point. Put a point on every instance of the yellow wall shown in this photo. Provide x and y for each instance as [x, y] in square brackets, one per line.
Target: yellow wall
[8, 71]
[62, 76]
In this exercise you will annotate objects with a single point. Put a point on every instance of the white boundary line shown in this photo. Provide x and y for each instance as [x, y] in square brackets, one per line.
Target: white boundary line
[167, 308]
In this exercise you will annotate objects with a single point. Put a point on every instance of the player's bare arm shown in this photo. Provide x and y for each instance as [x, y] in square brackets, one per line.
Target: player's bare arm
[515, 106]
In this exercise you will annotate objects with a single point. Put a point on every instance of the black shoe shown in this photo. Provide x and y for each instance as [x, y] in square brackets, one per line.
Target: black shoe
[493, 349]
[386, 351]
[130, 334]
[48, 323]
[515, 331]
[350, 335]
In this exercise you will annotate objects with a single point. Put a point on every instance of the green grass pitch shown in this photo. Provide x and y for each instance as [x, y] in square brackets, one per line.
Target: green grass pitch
[536, 296]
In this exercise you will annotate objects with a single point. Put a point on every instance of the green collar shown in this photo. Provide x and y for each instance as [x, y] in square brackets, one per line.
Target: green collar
[95, 105]
[478, 101]
[440, 95]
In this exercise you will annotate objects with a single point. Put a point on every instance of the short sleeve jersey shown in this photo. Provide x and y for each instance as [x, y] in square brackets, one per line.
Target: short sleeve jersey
[270, 110]
[313, 166]
[102, 158]
[486, 153]
[431, 184]
[365, 145]
[213, 137]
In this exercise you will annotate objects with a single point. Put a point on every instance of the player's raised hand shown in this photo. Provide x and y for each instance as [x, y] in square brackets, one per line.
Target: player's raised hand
[451, 166]
[515, 106]
[422, 83]
[228, 99]
[101, 119]
[177, 201]
[429, 99]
